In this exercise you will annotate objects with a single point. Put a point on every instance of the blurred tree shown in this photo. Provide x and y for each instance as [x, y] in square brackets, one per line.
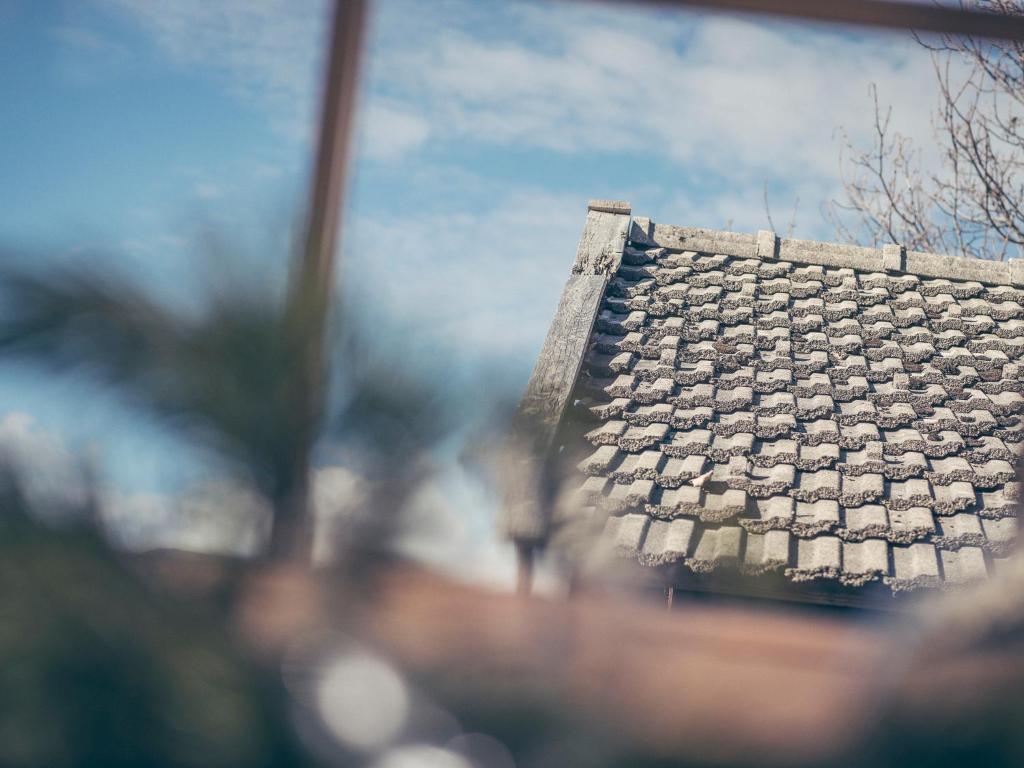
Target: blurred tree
[99, 670]
[235, 375]
[225, 375]
[973, 203]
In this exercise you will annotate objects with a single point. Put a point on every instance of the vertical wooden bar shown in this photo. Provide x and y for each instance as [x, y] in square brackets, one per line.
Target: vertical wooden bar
[524, 566]
[312, 277]
[336, 120]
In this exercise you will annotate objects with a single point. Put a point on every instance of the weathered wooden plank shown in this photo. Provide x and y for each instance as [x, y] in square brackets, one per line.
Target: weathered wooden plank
[958, 268]
[705, 240]
[830, 254]
[562, 354]
[525, 515]
[540, 411]
[600, 248]
[609, 206]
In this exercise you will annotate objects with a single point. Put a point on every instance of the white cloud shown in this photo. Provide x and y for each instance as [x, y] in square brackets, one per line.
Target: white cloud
[452, 528]
[715, 104]
[448, 524]
[268, 54]
[450, 519]
[488, 287]
[51, 473]
[388, 132]
[216, 516]
[265, 52]
[697, 90]
[709, 91]
[87, 39]
[208, 191]
[338, 493]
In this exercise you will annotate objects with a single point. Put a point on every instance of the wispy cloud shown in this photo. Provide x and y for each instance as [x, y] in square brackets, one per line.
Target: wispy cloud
[696, 90]
[488, 287]
[265, 52]
[208, 191]
[704, 108]
[389, 132]
[88, 39]
[707, 91]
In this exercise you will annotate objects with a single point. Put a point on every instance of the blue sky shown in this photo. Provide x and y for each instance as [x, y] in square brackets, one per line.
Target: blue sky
[133, 128]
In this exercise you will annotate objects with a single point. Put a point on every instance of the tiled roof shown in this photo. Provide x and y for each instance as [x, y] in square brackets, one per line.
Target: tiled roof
[790, 406]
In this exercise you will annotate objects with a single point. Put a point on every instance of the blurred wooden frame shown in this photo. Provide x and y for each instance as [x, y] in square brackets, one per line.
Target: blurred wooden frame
[926, 17]
[718, 684]
[721, 683]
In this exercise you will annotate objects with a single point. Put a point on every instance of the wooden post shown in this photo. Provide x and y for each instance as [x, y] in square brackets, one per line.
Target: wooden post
[524, 566]
[312, 276]
[326, 198]
[670, 593]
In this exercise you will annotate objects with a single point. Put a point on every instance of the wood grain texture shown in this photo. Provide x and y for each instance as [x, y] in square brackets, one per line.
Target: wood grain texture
[610, 206]
[705, 240]
[834, 255]
[526, 516]
[561, 356]
[600, 248]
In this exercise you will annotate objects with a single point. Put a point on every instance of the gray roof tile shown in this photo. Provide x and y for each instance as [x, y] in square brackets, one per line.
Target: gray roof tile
[865, 521]
[817, 558]
[813, 517]
[959, 530]
[1000, 534]
[864, 561]
[624, 533]
[767, 514]
[915, 565]
[716, 547]
[766, 551]
[667, 541]
[907, 525]
[828, 421]
[963, 566]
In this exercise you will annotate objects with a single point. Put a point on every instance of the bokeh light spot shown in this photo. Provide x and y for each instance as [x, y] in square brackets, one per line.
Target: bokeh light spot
[363, 701]
[422, 756]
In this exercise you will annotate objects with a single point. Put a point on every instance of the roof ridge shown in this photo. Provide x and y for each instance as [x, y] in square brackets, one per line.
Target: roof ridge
[768, 245]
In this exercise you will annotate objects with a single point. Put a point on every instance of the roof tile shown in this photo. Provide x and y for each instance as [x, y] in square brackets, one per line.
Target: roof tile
[823, 419]
[667, 541]
[864, 561]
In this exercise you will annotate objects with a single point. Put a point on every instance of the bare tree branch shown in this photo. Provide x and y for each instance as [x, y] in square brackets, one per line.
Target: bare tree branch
[973, 203]
[767, 208]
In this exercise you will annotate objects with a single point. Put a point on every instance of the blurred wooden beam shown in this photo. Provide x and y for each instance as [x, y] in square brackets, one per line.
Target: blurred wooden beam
[313, 269]
[924, 17]
[719, 685]
[336, 119]
[524, 568]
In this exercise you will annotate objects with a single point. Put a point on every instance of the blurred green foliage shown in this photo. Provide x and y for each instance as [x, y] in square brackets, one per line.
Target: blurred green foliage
[99, 669]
